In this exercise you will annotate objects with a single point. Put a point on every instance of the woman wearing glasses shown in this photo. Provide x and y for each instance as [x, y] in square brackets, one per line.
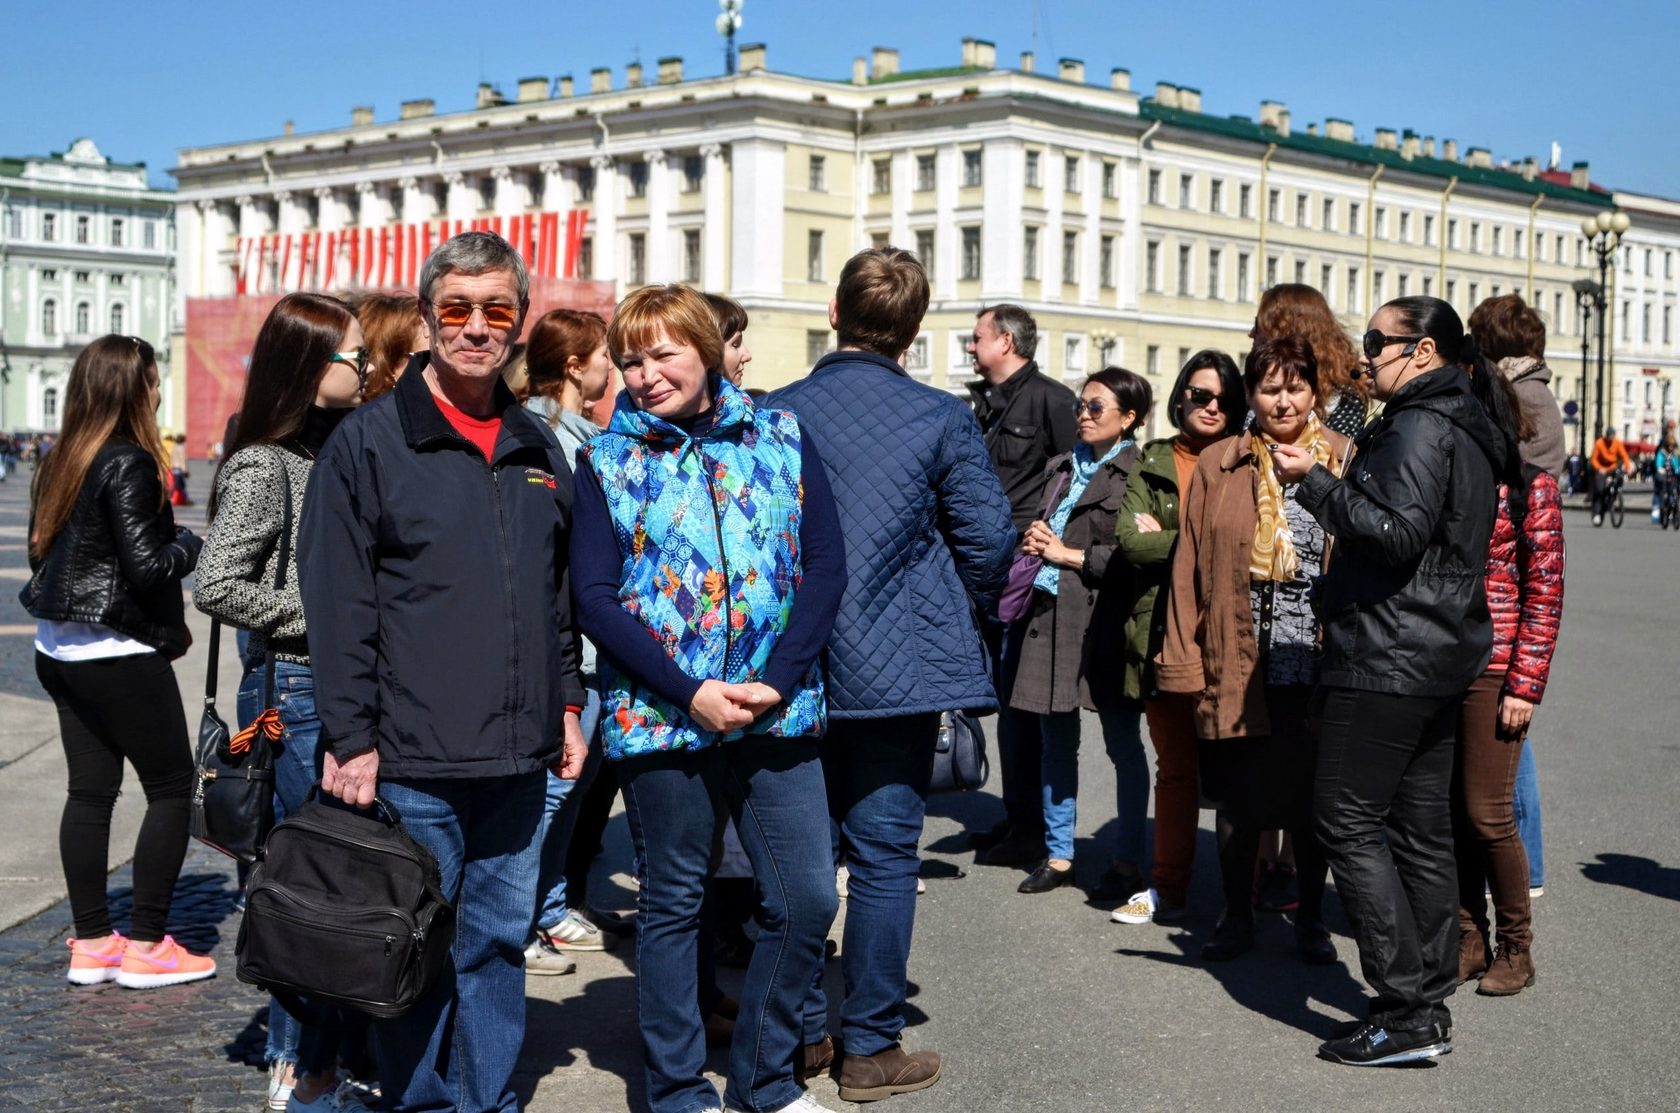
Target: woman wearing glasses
[1064, 662]
[1406, 631]
[1206, 403]
[308, 370]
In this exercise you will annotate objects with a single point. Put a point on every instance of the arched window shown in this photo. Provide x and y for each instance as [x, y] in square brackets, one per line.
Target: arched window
[49, 317]
[49, 407]
[117, 318]
[84, 318]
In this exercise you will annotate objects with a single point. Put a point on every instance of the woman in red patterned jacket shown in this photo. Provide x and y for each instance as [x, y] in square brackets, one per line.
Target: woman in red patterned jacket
[1525, 596]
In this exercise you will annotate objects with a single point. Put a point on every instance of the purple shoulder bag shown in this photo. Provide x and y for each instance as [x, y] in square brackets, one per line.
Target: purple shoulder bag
[1017, 595]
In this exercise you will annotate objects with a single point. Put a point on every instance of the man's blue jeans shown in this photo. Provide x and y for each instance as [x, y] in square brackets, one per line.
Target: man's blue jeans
[878, 772]
[677, 803]
[1123, 738]
[561, 801]
[456, 1049]
[1525, 803]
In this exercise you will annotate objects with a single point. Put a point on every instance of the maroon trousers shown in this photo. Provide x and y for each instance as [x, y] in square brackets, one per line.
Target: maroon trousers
[1490, 855]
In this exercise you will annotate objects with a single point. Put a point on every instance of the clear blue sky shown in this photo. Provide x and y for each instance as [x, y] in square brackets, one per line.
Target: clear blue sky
[146, 79]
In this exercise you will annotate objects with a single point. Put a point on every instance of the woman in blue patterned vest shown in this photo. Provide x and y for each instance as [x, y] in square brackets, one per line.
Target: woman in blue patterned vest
[708, 565]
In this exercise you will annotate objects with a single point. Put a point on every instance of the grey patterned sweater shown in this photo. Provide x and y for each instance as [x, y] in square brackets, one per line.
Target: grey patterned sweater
[235, 577]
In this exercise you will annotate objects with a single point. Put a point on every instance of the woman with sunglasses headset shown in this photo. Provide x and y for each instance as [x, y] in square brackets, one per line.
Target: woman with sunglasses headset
[1206, 404]
[308, 370]
[1406, 630]
[1065, 662]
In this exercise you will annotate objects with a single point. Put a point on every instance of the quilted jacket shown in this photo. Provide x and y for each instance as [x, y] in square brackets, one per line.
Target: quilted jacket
[928, 536]
[1525, 587]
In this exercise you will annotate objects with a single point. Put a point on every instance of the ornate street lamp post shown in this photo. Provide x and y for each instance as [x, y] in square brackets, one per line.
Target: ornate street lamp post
[1589, 298]
[1604, 235]
[729, 22]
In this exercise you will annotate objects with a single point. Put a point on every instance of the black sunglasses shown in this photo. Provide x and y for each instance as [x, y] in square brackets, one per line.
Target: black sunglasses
[1199, 396]
[1376, 340]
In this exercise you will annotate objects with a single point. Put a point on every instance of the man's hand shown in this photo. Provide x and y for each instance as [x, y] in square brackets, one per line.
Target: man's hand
[574, 749]
[724, 707]
[1292, 462]
[352, 780]
[1514, 715]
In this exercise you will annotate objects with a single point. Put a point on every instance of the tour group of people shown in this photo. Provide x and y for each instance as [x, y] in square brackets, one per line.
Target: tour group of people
[1331, 593]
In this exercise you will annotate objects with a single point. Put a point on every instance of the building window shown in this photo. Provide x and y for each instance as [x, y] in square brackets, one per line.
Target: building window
[816, 344]
[1070, 256]
[924, 250]
[1326, 275]
[1476, 296]
[1650, 270]
[84, 318]
[49, 407]
[882, 180]
[49, 227]
[1073, 355]
[49, 274]
[924, 173]
[638, 259]
[970, 253]
[1668, 264]
[1245, 201]
[1152, 361]
[638, 179]
[1184, 271]
[1475, 235]
[1499, 242]
[814, 256]
[84, 229]
[1645, 325]
[1557, 255]
[1029, 253]
[1668, 321]
[117, 318]
[1186, 191]
[1452, 291]
[116, 231]
[1272, 270]
[917, 361]
[1353, 217]
[1352, 302]
[1105, 262]
[1301, 270]
[691, 254]
[1032, 170]
[119, 280]
[1452, 234]
[1379, 217]
[1070, 173]
[1404, 287]
[1216, 196]
[83, 277]
[1213, 276]
[1405, 227]
[1429, 229]
[819, 174]
[586, 258]
[694, 173]
[14, 224]
[1242, 275]
[1274, 204]
[880, 238]
[1327, 218]
[1183, 356]
[1377, 286]
[1300, 210]
[971, 169]
[1110, 181]
[1152, 266]
[1428, 285]
[49, 317]
[1154, 187]
[586, 183]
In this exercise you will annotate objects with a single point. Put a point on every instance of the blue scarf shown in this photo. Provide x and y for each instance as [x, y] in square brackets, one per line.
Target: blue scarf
[1084, 468]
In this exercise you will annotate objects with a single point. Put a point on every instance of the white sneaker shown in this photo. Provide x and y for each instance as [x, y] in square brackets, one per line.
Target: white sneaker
[341, 1100]
[542, 958]
[576, 933]
[805, 1103]
[279, 1091]
[841, 876]
[1536, 891]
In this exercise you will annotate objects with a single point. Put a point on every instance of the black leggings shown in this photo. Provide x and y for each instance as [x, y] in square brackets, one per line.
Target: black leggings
[109, 710]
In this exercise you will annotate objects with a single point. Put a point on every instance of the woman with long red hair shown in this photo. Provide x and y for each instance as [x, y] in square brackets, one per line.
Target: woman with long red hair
[1292, 309]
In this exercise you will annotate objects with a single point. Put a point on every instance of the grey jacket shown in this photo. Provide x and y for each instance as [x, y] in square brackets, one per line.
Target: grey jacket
[235, 580]
[1546, 448]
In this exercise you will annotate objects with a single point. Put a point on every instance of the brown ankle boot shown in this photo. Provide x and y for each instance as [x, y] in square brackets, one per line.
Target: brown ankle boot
[1474, 955]
[1511, 973]
[813, 1059]
[885, 1073]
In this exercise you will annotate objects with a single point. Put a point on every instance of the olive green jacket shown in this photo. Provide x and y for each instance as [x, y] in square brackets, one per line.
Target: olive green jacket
[1151, 489]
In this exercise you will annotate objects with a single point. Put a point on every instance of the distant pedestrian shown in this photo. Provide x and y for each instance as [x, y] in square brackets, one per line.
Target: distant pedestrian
[107, 560]
[178, 469]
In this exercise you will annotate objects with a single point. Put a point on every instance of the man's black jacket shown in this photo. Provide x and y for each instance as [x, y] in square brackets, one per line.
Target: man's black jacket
[1027, 420]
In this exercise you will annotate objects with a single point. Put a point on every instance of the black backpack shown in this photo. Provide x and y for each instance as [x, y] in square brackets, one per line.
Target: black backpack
[345, 908]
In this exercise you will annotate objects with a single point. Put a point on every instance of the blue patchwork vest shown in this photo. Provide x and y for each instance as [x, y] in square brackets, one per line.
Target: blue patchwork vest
[708, 531]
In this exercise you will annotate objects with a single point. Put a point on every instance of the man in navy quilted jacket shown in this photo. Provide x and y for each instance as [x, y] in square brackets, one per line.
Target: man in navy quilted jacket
[928, 539]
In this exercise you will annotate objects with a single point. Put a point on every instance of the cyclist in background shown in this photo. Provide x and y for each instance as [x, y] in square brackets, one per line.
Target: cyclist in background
[1609, 455]
[1664, 470]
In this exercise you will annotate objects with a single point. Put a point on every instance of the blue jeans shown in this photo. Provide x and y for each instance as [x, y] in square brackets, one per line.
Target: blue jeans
[560, 811]
[1122, 736]
[878, 772]
[1525, 802]
[676, 804]
[457, 1047]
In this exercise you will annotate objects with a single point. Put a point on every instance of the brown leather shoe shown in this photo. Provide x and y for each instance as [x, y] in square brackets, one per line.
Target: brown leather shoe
[1474, 955]
[888, 1072]
[813, 1059]
[1511, 973]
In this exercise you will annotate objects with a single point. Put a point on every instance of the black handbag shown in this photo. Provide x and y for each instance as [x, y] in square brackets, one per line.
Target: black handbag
[345, 908]
[233, 784]
[959, 756]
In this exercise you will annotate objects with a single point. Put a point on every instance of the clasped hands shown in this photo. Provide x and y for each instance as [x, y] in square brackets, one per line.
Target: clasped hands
[1041, 541]
[726, 707]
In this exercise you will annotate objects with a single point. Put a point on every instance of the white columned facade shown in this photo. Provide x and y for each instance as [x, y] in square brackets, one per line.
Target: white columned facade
[462, 204]
[1132, 252]
[759, 175]
[606, 218]
[512, 193]
[1003, 171]
[1055, 187]
[559, 188]
[1090, 273]
[903, 165]
[714, 233]
[414, 203]
[660, 267]
[194, 256]
[947, 242]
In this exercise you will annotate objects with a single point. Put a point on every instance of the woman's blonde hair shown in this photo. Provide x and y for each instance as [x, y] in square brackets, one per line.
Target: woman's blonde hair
[1301, 311]
[681, 313]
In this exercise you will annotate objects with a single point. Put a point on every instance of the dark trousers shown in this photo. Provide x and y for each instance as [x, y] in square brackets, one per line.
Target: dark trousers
[1020, 741]
[1266, 784]
[110, 710]
[1382, 806]
[1485, 825]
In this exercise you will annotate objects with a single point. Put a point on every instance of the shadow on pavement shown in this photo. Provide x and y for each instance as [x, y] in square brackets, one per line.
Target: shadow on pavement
[594, 1030]
[1633, 872]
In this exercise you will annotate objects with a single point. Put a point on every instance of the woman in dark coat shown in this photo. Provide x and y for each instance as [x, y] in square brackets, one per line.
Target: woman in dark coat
[1067, 657]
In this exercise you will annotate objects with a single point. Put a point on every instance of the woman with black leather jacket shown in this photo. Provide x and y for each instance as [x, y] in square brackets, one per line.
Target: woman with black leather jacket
[1406, 630]
[107, 562]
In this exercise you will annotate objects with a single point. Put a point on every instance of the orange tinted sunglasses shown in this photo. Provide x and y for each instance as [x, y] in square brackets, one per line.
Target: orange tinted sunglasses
[457, 314]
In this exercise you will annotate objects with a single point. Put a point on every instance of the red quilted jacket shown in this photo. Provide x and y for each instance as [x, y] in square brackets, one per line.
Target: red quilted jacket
[1525, 588]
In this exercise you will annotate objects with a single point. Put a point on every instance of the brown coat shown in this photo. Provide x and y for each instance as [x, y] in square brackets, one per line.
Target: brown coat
[1210, 649]
[1070, 652]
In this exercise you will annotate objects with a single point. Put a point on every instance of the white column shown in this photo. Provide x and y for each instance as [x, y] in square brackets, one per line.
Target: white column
[1001, 249]
[757, 217]
[291, 213]
[660, 267]
[559, 189]
[1090, 277]
[1130, 252]
[947, 242]
[221, 253]
[461, 204]
[368, 205]
[192, 245]
[713, 233]
[512, 194]
[1054, 179]
[606, 218]
[903, 166]
[416, 204]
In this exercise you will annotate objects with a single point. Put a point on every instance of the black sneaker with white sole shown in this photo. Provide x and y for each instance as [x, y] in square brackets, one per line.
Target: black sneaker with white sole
[1372, 1045]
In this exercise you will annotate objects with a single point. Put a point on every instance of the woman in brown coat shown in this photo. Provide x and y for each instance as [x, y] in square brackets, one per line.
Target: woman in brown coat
[1241, 636]
[1068, 656]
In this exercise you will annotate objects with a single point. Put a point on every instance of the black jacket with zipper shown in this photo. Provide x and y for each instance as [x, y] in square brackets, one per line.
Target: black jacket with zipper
[1403, 603]
[1027, 420]
[119, 559]
[435, 589]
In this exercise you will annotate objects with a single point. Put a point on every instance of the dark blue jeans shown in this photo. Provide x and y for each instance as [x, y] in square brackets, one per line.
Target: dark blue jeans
[878, 772]
[561, 803]
[677, 803]
[456, 1049]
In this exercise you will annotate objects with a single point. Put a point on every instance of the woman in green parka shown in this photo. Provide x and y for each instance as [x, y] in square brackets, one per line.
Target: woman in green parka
[1206, 403]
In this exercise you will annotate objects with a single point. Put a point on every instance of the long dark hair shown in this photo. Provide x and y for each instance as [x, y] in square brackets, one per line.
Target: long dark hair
[302, 332]
[1232, 402]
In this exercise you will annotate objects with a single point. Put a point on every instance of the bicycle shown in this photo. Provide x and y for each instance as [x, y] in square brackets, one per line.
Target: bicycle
[1610, 502]
[1669, 509]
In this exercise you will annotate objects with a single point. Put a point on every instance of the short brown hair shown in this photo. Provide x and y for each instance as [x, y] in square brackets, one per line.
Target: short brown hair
[1505, 327]
[559, 336]
[1290, 356]
[388, 322]
[879, 304]
[680, 312]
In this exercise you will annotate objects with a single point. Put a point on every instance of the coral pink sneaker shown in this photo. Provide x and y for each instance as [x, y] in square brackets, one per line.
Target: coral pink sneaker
[168, 963]
[91, 965]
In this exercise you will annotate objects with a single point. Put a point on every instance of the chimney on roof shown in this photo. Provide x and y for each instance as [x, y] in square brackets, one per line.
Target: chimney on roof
[288, 128]
[488, 96]
[1120, 78]
[985, 54]
[1429, 146]
[1449, 150]
[883, 62]
[1071, 69]
[1028, 62]
[752, 58]
[1580, 177]
[860, 70]
[633, 76]
[1189, 99]
[670, 71]
[600, 80]
[1270, 111]
[1387, 139]
[1480, 157]
[532, 89]
[1530, 168]
[968, 52]
[361, 116]
[1312, 129]
[1166, 94]
[1338, 129]
[1409, 144]
[414, 109]
[565, 85]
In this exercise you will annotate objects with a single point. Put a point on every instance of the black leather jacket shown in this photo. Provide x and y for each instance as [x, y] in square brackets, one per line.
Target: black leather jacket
[1403, 600]
[120, 559]
[1028, 421]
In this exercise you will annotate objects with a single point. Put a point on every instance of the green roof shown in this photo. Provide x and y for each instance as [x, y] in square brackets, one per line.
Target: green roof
[1241, 127]
[923, 75]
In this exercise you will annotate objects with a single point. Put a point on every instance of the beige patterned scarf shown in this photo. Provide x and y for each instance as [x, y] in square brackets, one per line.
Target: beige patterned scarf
[1273, 556]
